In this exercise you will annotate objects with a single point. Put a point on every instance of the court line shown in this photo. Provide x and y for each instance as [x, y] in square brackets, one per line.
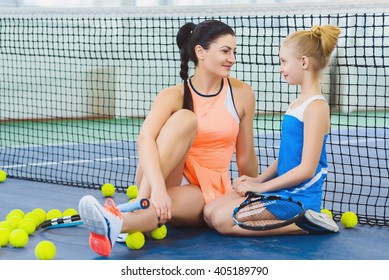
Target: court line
[64, 144]
[112, 159]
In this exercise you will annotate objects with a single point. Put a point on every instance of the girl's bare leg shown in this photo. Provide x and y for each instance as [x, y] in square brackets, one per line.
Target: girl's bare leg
[218, 214]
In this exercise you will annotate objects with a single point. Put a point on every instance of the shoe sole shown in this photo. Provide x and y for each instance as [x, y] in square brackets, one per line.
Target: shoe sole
[100, 244]
[318, 219]
[90, 211]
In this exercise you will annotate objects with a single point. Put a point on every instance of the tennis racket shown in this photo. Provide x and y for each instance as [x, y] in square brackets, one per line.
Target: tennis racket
[75, 220]
[262, 212]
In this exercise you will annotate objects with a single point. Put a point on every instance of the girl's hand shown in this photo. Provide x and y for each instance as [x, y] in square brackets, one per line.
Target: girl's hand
[244, 184]
[240, 180]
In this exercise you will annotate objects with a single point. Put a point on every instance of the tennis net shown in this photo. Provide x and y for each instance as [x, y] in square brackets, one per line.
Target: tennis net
[75, 86]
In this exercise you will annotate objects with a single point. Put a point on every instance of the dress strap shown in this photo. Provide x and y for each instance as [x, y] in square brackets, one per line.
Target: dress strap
[298, 112]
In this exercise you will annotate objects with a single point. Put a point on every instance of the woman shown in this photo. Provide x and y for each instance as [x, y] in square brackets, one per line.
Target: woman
[187, 141]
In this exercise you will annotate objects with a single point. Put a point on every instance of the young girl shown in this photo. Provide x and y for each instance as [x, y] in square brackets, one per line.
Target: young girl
[187, 141]
[301, 168]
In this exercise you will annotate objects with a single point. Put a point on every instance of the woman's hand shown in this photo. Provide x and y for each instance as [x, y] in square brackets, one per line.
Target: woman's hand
[163, 205]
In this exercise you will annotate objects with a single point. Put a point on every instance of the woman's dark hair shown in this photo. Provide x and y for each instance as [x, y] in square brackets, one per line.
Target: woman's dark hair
[188, 37]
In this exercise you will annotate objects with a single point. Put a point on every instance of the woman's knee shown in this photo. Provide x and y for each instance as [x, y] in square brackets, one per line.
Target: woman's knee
[184, 121]
[207, 214]
[215, 218]
[221, 220]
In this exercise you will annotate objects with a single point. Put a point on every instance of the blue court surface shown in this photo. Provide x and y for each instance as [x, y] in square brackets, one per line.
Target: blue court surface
[360, 243]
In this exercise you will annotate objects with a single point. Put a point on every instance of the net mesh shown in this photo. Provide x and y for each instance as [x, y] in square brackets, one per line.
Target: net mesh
[75, 88]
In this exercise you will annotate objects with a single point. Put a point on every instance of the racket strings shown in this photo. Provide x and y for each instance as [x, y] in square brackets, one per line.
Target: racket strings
[262, 223]
[262, 213]
[254, 211]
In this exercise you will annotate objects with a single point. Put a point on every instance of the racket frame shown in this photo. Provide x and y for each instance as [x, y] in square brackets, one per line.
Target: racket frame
[75, 220]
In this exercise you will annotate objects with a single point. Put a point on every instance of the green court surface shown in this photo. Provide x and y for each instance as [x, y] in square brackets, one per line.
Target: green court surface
[88, 131]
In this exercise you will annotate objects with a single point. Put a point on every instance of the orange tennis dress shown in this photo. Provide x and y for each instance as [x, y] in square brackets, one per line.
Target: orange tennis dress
[208, 160]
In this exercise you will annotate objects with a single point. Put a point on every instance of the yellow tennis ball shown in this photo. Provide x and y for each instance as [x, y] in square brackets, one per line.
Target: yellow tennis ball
[34, 217]
[159, 233]
[328, 212]
[7, 225]
[45, 250]
[4, 237]
[132, 192]
[349, 219]
[14, 220]
[135, 240]
[41, 213]
[28, 225]
[3, 176]
[18, 238]
[16, 212]
[70, 212]
[108, 190]
[53, 214]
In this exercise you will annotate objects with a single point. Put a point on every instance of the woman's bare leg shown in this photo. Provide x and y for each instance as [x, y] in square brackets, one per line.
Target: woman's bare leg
[188, 204]
[174, 142]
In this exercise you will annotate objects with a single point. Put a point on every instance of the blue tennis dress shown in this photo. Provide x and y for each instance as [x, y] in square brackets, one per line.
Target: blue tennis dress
[290, 155]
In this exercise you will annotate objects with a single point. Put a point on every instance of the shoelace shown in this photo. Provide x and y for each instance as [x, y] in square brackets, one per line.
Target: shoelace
[111, 207]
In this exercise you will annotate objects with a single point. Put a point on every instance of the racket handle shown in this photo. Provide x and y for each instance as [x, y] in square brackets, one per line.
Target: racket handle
[61, 222]
[134, 205]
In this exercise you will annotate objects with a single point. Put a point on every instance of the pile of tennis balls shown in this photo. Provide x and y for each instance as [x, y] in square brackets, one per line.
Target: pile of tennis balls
[18, 227]
[136, 240]
[348, 219]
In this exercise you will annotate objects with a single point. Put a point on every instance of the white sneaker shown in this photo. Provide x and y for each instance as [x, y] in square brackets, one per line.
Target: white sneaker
[315, 222]
[105, 223]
